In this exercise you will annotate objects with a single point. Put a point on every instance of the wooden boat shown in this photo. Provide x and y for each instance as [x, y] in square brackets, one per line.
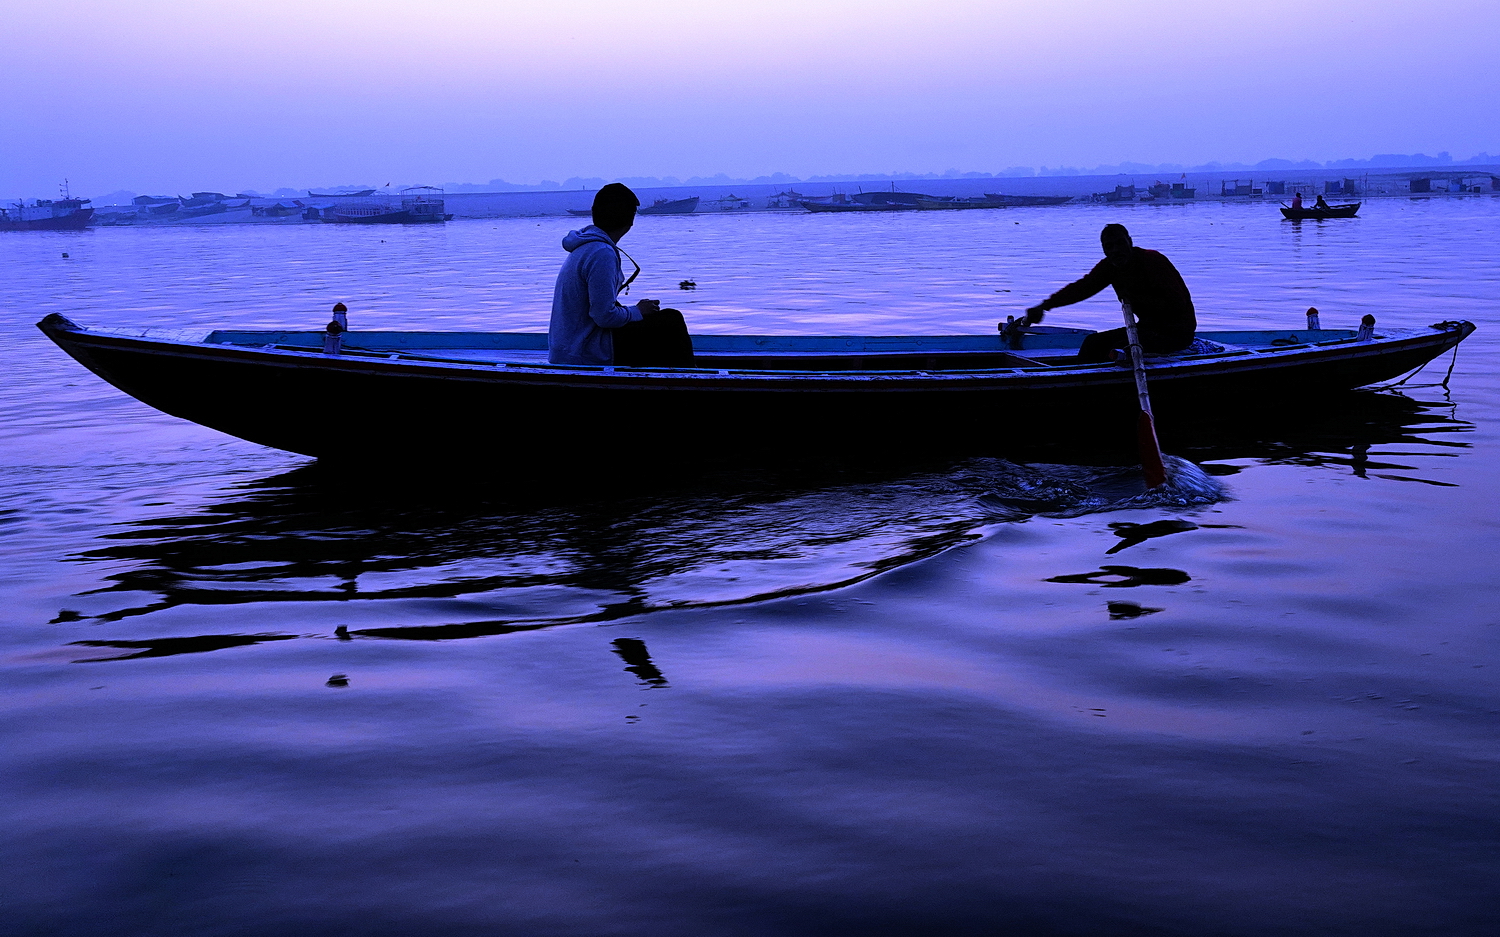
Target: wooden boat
[418, 204]
[856, 206]
[909, 199]
[956, 204]
[670, 206]
[1026, 201]
[1309, 214]
[388, 394]
[355, 215]
[369, 215]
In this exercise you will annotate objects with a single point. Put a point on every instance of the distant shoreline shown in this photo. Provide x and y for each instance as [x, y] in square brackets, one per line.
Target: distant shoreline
[1208, 187]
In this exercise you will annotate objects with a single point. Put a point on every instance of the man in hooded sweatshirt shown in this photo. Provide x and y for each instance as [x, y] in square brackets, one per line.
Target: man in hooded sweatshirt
[589, 324]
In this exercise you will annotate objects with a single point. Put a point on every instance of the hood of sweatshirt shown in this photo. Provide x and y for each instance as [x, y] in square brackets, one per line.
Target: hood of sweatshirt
[576, 239]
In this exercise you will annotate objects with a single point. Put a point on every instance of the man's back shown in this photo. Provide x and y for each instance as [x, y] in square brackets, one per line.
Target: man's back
[1149, 283]
[1152, 283]
[584, 302]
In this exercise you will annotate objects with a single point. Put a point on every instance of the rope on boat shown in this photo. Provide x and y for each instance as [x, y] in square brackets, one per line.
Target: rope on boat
[1452, 362]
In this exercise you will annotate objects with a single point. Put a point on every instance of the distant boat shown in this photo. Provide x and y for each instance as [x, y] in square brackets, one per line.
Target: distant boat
[1122, 193]
[1020, 201]
[370, 214]
[422, 204]
[1314, 214]
[867, 201]
[671, 206]
[855, 206]
[791, 198]
[907, 199]
[211, 208]
[59, 214]
[362, 193]
[662, 206]
[952, 204]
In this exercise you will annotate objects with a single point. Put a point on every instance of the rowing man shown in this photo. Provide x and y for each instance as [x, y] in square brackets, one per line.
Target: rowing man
[589, 323]
[1147, 281]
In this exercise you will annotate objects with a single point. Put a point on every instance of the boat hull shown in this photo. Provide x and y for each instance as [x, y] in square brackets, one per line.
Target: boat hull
[387, 407]
[1027, 201]
[391, 217]
[958, 204]
[681, 206]
[855, 207]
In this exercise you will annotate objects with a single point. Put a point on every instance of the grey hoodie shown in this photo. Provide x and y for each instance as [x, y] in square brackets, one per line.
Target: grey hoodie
[584, 304]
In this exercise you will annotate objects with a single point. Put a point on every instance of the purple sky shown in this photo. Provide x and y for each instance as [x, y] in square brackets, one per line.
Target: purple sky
[170, 95]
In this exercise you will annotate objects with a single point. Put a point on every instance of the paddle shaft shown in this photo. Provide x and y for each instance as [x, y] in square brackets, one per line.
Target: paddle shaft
[1151, 461]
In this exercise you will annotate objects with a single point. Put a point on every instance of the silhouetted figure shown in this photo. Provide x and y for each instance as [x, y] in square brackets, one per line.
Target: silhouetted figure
[589, 324]
[1146, 280]
[1296, 199]
[1321, 204]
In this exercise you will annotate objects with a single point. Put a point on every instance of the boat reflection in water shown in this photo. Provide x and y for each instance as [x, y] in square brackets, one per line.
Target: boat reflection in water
[438, 557]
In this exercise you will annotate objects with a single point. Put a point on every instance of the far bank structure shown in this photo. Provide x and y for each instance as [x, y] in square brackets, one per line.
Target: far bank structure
[431, 205]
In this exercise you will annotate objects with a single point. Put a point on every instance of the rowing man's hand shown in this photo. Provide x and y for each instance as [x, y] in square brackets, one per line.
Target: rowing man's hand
[1035, 314]
[648, 307]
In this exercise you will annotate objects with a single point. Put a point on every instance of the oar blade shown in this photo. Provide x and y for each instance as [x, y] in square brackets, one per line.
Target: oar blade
[1151, 462]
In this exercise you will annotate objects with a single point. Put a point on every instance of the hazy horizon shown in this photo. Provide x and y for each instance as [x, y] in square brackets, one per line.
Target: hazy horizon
[1442, 162]
[163, 96]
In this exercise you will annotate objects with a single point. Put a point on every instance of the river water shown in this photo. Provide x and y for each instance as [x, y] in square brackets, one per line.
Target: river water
[247, 696]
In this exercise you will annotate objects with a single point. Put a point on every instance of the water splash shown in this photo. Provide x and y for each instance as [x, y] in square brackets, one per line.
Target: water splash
[1075, 490]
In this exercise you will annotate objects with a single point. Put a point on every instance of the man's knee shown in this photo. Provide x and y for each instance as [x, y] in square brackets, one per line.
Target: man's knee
[1099, 345]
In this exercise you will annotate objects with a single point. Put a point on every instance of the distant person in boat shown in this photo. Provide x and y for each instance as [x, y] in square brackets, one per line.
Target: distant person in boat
[589, 324]
[1296, 199]
[1321, 204]
[1146, 280]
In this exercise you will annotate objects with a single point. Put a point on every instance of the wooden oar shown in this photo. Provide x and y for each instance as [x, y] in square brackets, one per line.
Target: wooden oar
[1151, 462]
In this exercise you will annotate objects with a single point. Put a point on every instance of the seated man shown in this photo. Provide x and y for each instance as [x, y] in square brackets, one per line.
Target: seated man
[1147, 281]
[1321, 203]
[589, 325]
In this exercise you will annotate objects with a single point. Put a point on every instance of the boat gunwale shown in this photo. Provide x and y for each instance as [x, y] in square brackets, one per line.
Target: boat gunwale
[1042, 377]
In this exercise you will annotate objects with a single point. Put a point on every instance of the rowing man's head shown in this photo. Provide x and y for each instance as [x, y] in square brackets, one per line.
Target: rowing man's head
[1116, 242]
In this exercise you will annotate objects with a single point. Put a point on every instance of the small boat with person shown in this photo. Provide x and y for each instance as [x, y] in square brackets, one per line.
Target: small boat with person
[1314, 214]
[382, 395]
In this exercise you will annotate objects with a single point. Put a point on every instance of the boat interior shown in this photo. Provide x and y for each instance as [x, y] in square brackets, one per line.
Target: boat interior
[1045, 347]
